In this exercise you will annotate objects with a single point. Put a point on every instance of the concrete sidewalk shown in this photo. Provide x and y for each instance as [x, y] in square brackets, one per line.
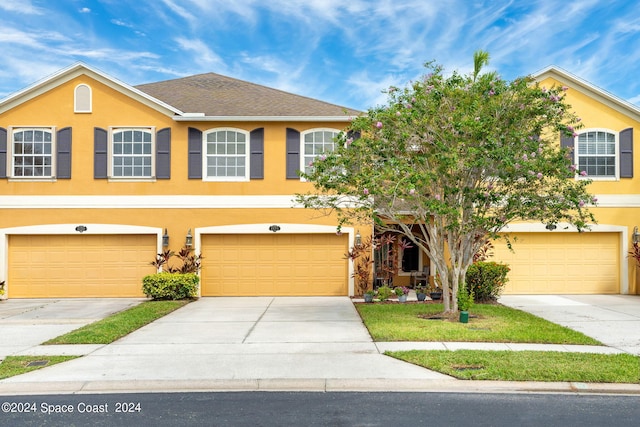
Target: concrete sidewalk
[614, 320]
[262, 343]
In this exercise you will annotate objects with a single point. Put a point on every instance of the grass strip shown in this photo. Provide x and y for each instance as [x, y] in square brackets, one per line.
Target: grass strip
[17, 365]
[488, 323]
[527, 365]
[111, 328]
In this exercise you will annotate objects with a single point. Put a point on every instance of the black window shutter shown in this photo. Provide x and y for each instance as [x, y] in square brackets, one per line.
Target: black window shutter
[163, 153]
[257, 154]
[100, 148]
[566, 141]
[293, 154]
[63, 155]
[626, 153]
[3, 153]
[195, 153]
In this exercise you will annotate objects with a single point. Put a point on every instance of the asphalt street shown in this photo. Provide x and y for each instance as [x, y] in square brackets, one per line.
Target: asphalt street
[320, 409]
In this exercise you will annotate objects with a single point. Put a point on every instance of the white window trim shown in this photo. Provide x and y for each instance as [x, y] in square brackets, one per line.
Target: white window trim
[10, 163]
[303, 163]
[616, 156]
[247, 155]
[111, 177]
[75, 99]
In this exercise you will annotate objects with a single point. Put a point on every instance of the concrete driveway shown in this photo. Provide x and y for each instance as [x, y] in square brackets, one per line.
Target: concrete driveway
[613, 320]
[272, 343]
[240, 339]
[25, 323]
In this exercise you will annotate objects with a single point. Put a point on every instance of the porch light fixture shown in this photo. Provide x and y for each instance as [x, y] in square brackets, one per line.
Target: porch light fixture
[165, 238]
[635, 237]
[358, 238]
[189, 240]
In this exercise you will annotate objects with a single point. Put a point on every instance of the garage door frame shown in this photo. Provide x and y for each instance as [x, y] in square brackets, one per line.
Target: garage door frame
[598, 228]
[67, 229]
[279, 228]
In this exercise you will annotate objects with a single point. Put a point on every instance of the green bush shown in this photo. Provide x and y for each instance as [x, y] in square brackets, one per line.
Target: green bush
[486, 280]
[171, 286]
[384, 292]
[465, 299]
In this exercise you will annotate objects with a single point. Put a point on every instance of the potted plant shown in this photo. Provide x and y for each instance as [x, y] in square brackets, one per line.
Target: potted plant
[401, 292]
[1, 289]
[368, 295]
[421, 292]
[434, 292]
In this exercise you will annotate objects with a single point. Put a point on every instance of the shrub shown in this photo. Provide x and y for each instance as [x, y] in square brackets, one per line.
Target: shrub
[188, 261]
[465, 299]
[486, 280]
[170, 286]
[384, 292]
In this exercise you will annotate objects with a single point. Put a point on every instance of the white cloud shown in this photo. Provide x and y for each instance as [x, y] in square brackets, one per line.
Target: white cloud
[21, 6]
[635, 100]
[368, 90]
[247, 9]
[85, 10]
[203, 55]
[121, 23]
[11, 37]
[179, 10]
[272, 64]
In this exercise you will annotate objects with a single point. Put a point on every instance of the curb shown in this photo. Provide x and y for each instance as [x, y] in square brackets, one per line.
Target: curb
[314, 385]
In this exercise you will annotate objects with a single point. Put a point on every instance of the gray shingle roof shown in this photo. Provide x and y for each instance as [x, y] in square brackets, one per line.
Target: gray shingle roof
[217, 95]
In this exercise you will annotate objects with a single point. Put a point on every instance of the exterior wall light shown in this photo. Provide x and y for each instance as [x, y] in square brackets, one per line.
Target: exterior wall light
[358, 238]
[189, 240]
[635, 237]
[165, 238]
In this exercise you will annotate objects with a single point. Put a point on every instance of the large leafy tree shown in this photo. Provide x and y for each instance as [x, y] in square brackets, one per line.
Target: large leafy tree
[450, 161]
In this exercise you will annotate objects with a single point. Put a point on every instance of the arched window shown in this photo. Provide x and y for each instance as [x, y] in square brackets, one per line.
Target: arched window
[316, 142]
[132, 153]
[226, 155]
[82, 99]
[32, 152]
[597, 153]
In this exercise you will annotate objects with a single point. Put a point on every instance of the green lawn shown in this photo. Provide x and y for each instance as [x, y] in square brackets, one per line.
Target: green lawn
[527, 365]
[494, 323]
[17, 365]
[109, 329]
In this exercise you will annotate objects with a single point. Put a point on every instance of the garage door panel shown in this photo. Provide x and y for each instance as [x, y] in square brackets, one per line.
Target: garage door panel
[557, 263]
[48, 266]
[274, 265]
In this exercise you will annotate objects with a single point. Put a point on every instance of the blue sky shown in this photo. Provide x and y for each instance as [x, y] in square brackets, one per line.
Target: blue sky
[340, 51]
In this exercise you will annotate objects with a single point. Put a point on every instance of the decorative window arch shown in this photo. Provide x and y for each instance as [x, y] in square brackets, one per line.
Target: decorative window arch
[82, 99]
